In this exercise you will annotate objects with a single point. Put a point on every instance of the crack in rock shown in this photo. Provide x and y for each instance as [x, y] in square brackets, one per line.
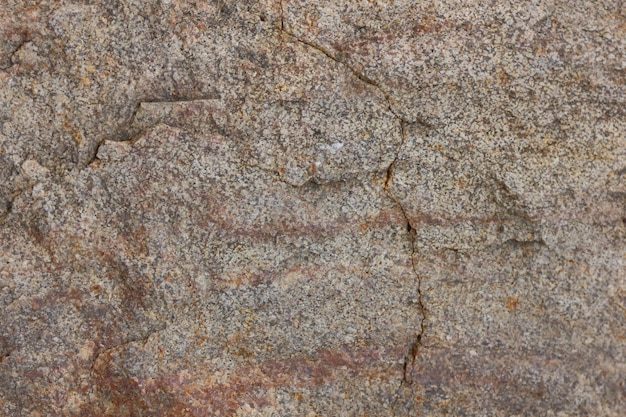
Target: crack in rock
[413, 350]
[13, 53]
[367, 80]
[410, 358]
[107, 351]
[417, 343]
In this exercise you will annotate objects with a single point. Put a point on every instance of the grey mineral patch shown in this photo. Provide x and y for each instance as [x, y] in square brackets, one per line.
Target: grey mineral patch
[312, 208]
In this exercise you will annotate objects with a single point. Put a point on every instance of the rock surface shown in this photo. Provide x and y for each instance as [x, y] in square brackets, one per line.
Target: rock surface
[312, 208]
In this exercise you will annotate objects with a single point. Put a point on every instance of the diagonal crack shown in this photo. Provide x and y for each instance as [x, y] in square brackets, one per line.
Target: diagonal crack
[13, 53]
[364, 78]
[107, 351]
[132, 137]
[356, 73]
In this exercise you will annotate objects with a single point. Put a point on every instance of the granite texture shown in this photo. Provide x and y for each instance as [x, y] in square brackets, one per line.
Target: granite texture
[312, 208]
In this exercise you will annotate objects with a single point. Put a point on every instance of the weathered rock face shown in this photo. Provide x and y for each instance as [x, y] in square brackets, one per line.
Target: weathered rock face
[286, 208]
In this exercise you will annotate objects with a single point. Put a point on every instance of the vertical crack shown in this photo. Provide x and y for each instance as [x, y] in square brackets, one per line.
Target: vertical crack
[282, 15]
[413, 352]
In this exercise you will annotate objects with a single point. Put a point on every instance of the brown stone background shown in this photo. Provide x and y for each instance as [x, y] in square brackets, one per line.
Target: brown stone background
[312, 208]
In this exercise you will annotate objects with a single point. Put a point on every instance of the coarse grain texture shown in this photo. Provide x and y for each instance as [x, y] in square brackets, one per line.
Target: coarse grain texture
[312, 208]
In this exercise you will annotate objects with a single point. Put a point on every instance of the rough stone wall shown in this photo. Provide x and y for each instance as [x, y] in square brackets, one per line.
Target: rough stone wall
[312, 208]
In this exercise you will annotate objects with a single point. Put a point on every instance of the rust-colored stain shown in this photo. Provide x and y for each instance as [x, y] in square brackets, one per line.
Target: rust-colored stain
[430, 24]
[203, 391]
[511, 303]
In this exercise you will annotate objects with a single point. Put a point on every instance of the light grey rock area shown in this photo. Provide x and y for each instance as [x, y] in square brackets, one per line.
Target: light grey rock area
[312, 208]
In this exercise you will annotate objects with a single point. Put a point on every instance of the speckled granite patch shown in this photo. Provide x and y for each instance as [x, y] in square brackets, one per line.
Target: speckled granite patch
[312, 208]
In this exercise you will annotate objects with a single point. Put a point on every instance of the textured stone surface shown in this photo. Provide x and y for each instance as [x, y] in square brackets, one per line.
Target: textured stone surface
[312, 208]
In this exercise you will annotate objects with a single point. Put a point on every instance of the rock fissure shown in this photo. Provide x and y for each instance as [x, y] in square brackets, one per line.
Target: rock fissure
[413, 352]
[107, 351]
[411, 357]
[365, 79]
[282, 15]
[133, 117]
[13, 53]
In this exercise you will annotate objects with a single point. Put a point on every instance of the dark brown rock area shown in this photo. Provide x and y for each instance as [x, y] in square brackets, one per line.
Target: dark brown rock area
[312, 208]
